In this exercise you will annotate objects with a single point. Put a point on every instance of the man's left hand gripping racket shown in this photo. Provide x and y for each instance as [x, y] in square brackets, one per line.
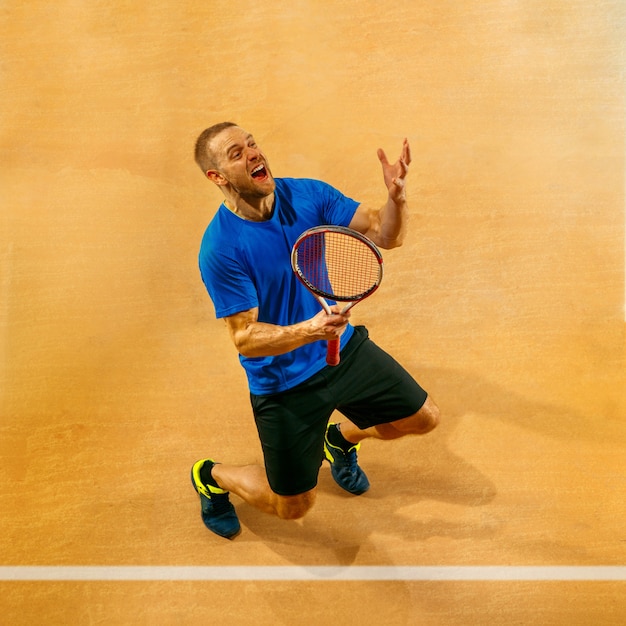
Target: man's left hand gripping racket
[340, 264]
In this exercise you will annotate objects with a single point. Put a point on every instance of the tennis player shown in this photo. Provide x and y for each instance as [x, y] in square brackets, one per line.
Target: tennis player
[280, 333]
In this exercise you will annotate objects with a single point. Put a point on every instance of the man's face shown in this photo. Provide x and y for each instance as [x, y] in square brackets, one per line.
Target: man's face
[241, 163]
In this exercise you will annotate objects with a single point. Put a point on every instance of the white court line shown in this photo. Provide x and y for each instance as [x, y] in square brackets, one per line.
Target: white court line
[313, 573]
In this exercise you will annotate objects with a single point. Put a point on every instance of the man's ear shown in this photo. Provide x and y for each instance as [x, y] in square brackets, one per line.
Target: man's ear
[215, 177]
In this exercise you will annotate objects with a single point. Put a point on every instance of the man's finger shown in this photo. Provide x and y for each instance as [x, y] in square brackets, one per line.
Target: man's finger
[406, 150]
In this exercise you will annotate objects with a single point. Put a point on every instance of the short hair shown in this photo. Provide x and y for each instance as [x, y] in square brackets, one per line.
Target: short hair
[204, 157]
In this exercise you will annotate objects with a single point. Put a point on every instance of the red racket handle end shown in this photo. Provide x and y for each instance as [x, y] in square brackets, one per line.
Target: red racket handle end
[332, 352]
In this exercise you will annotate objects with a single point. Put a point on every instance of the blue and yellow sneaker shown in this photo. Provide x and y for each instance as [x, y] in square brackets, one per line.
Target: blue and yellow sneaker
[343, 463]
[218, 514]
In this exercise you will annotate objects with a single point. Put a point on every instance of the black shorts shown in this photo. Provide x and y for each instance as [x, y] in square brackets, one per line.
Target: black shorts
[368, 386]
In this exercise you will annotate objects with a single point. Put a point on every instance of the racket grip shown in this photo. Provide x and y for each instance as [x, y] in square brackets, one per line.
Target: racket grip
[332, 352]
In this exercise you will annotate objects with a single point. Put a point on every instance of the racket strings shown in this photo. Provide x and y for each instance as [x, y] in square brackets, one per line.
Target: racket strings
[342, 267]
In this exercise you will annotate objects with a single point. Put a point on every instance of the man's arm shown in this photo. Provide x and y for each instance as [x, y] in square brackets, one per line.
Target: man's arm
[386, 226]
[255, 339]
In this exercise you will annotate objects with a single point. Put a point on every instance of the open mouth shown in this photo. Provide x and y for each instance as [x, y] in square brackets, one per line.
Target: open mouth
[259, 172]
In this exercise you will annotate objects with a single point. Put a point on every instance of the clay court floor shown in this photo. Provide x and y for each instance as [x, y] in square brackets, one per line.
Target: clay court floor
[506, 303]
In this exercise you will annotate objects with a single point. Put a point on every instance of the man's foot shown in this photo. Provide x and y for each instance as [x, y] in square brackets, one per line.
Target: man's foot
[218, 514]
[341, 455]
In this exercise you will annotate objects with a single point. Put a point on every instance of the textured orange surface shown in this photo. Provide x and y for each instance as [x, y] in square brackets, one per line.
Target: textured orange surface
[506, 302]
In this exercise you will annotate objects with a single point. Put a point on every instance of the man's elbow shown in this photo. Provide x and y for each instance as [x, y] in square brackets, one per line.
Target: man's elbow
[244, 347]
[389, 243]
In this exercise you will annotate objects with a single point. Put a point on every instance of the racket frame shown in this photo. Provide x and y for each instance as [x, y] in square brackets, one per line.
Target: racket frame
[320, 294]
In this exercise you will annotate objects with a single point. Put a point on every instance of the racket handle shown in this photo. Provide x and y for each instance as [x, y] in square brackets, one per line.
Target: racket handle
[332, 352]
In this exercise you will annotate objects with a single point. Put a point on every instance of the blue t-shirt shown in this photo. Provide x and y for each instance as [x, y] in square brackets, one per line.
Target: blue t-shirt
[247, 264]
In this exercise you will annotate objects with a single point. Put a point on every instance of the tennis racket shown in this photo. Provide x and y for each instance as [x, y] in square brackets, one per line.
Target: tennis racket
[338, 264]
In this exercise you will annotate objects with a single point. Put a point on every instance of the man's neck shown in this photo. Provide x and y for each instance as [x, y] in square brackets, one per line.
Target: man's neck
[259, 211]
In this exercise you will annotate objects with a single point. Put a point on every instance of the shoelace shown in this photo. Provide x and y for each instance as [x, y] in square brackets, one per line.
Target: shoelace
[350, 460]
[220, 503]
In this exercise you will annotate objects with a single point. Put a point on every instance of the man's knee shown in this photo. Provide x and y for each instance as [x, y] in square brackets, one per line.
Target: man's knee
[428, 416]
[295, 507]
[422, 422]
